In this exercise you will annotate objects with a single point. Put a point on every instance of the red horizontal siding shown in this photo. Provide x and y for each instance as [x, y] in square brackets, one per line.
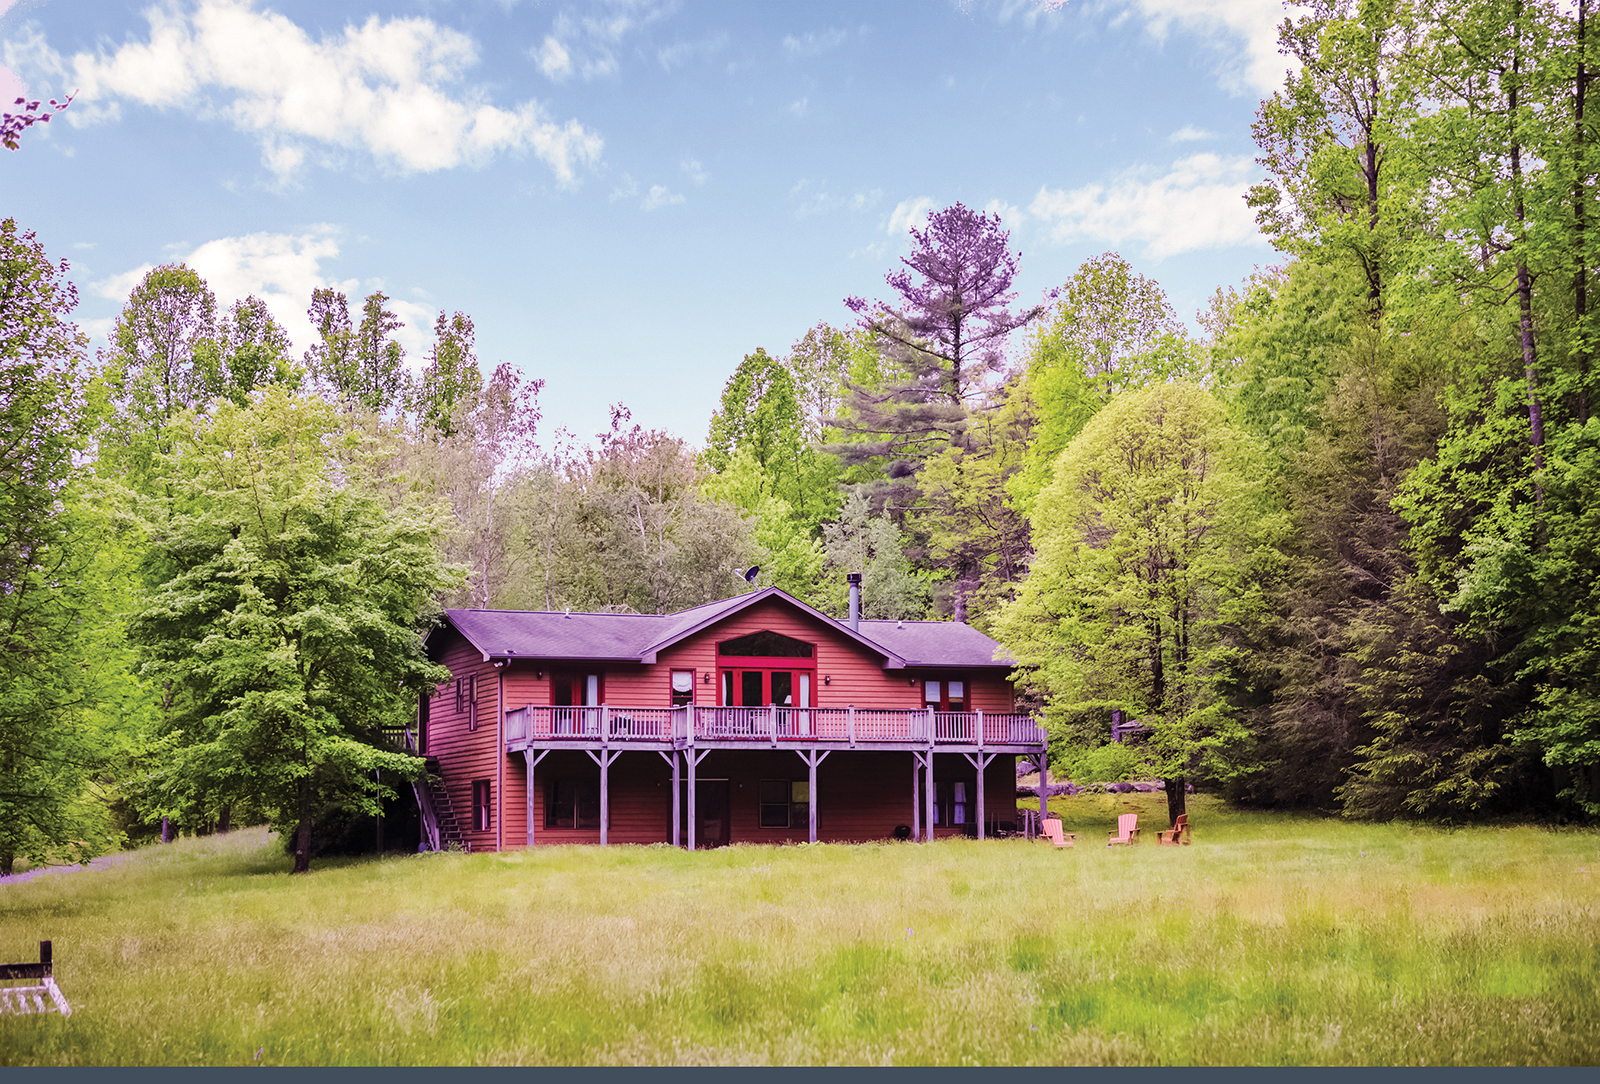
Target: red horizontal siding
[860, 795]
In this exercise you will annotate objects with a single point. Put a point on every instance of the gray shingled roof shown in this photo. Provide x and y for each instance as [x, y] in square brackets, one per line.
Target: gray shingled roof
[637, 637]
[937, 643]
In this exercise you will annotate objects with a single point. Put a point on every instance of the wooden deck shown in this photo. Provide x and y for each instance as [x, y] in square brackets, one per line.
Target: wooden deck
[607, 726]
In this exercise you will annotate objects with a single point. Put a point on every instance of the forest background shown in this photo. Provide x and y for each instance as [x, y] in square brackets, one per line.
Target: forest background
[1337, 551]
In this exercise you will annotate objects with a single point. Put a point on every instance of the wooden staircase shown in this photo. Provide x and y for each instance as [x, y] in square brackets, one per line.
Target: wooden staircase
[441, 829]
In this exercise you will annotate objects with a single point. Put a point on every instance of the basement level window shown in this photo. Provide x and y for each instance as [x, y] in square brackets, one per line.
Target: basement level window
[572, 803]
[785, 803]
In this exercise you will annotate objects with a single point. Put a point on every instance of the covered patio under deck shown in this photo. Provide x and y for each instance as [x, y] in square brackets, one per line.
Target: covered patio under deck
[684, 736]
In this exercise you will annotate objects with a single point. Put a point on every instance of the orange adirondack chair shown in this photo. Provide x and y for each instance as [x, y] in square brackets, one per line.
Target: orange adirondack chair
[1052, 832]
[1127, 830]
[1178, 833]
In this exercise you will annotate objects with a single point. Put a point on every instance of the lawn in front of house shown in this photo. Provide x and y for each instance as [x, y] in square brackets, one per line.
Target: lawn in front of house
[1273, 939]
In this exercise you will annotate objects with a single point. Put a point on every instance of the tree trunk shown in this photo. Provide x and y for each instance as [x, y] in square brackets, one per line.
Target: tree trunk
[1580, 283]
[1177, 798]
[1530, 357]
[8, 861]
[302, 835]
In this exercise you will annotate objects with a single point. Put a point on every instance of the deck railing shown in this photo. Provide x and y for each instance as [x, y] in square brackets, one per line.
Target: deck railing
[772, 724]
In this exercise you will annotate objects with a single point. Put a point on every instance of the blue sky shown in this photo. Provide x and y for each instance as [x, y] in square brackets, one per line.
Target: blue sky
[629, 197]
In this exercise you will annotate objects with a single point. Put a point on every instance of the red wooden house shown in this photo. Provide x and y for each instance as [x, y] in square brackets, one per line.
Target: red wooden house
[756, 718]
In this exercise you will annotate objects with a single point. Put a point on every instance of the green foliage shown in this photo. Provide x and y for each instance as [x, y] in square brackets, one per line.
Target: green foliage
[1112, 330]
[161, 361]
[252, 352]
[623, 527]
[451, 381]
[285, 614]
[1113, 762]
[788, 553]
[1153, 539]
[362, 366]
[891, 589]
[55, 622]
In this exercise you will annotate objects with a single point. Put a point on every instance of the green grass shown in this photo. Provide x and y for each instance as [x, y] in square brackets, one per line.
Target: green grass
[1271, 940]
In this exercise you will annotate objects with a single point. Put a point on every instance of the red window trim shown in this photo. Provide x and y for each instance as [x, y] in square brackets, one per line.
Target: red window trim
[765, 662]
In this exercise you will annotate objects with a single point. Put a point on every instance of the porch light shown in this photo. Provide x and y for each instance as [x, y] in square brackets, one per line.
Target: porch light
[827, 679]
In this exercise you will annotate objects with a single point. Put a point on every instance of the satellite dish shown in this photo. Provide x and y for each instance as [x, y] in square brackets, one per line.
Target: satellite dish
[750, 575]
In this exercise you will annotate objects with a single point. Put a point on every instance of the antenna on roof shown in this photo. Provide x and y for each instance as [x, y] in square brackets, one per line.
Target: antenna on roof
[750, 574]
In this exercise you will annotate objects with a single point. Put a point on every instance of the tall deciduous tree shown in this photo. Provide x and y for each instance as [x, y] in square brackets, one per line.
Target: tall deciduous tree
[360, 366]
[252, 352]
[451, 378]
[162, 349]
[1330, 139]
[287, 604]
[1152, 538]
[48, 539]
[1111, 330]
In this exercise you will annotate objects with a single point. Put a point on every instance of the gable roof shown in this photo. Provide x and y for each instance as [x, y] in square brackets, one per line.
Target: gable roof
[638, 638]
[938, 643]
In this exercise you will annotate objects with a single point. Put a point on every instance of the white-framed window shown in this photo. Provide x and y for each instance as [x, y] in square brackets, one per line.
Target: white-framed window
[682, 688]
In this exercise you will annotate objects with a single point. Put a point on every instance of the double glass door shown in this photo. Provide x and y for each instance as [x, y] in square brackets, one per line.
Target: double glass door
[761, 688]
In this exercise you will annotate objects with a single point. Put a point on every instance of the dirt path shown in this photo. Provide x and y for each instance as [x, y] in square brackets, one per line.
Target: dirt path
[105, 861]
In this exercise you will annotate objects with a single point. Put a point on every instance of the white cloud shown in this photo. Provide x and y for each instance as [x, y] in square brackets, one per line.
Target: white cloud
[811, 43]
[589, 41]
[98, 329]
[386, 88]
[693, 170]
[659, 196]
[1011, 216]
[1259, 67]
[820, 201]
[1197, 204]
[1190, 134]
[554, 60]
[908, 213]
[118, 287]
[680, 53]
[415, 334]
[799, 108]
[281, 269]
[626, 188]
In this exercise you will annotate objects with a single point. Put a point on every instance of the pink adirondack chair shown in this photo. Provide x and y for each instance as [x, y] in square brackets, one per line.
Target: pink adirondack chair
[1052, 832]
[1127, 830]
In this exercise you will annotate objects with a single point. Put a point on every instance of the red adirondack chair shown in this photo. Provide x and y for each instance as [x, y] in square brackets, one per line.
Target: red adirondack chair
[1178, 833]
[1127, 830]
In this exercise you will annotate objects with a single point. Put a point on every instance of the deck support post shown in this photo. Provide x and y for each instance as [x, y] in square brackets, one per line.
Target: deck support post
[851, 723]
[672, 759]
[532, 762]
[694, 759]
[980, 761]
[605, 758]
[916, 796]
[1044, 787]
[812, 758]
[932, 797]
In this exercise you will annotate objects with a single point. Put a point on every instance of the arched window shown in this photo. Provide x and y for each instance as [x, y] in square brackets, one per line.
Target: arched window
[764, 668]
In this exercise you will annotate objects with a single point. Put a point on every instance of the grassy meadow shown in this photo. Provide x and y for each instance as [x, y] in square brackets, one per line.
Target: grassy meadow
[1271, 940]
